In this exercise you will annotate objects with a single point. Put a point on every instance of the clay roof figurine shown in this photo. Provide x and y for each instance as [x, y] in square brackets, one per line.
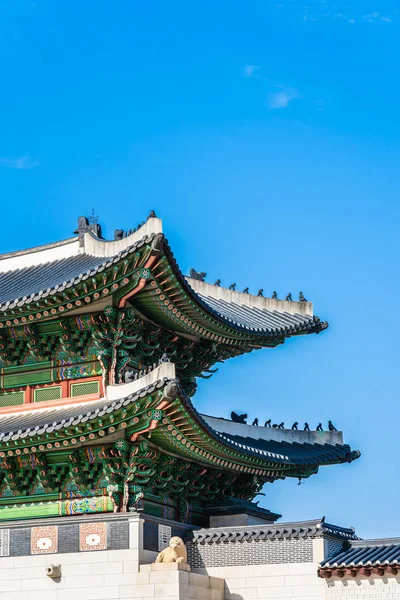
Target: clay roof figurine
[195, 275]
[238, 418]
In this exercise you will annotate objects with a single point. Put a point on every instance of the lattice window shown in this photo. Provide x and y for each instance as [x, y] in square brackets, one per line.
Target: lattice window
[164, 535]
[53, 392]
[12, 398]
[85, 388]
[4, 542]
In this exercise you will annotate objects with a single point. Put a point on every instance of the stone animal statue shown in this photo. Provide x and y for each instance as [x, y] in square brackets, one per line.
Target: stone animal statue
[176, 552]
[274, 295]
[232, 287]
[289, 297]
[319, 428]
[331, 426]
[306, 427]
[268, 423]
[260, 292]
[218, 283]
[245, 291]
[255, 422]
[195, 275]
[302, 298]
[238, 418]
[295, 426]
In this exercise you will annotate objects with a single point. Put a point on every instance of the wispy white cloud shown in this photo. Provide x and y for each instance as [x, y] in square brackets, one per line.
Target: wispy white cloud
[376, 17]
[315, 10]
[282, 98]
[279, 95]
[251, 70]
[22, 162]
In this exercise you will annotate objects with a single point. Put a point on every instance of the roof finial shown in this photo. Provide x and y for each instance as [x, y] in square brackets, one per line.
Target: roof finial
[88, 224]
[83, 226]
[152, 215]
[93, 219]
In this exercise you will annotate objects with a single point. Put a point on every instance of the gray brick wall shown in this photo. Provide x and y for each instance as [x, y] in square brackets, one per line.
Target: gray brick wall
[68, 538]
[332, 546]
[242, 553]
[118, 535]
[150, 533]
[20, 542]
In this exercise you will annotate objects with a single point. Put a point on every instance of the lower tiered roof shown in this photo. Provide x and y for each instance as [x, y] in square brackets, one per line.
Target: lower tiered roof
[155, 407]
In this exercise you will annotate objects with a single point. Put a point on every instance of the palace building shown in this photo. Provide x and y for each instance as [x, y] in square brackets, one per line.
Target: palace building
[104, 455]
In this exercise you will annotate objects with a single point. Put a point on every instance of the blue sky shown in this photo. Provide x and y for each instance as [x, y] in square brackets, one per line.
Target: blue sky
[267, 137]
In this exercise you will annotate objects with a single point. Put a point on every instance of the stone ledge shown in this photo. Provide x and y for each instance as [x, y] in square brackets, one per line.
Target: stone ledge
[154, 567]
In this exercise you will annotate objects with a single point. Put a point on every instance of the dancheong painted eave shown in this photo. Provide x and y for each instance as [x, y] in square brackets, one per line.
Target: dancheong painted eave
[83, 272]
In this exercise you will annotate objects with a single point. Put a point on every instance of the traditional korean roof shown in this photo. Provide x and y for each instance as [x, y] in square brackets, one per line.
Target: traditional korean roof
[279, 531]
[156, 403]
[50, 281]
[364, 557]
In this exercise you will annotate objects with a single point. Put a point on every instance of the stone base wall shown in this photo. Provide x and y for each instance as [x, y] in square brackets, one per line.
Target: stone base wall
[253, 582]
[363, 588]
[101, 575]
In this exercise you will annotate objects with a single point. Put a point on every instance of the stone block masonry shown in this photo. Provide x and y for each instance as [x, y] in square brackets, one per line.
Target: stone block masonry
[363, 588]
[100, 575]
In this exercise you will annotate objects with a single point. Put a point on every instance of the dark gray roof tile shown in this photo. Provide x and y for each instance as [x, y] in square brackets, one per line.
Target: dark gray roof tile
[366, 553]
[302, 529]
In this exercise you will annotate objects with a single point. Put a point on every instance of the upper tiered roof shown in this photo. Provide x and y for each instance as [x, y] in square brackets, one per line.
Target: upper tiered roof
[79, 272]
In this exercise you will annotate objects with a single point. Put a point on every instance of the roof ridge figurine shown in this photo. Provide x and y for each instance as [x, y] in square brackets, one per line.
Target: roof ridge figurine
[199, 276]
